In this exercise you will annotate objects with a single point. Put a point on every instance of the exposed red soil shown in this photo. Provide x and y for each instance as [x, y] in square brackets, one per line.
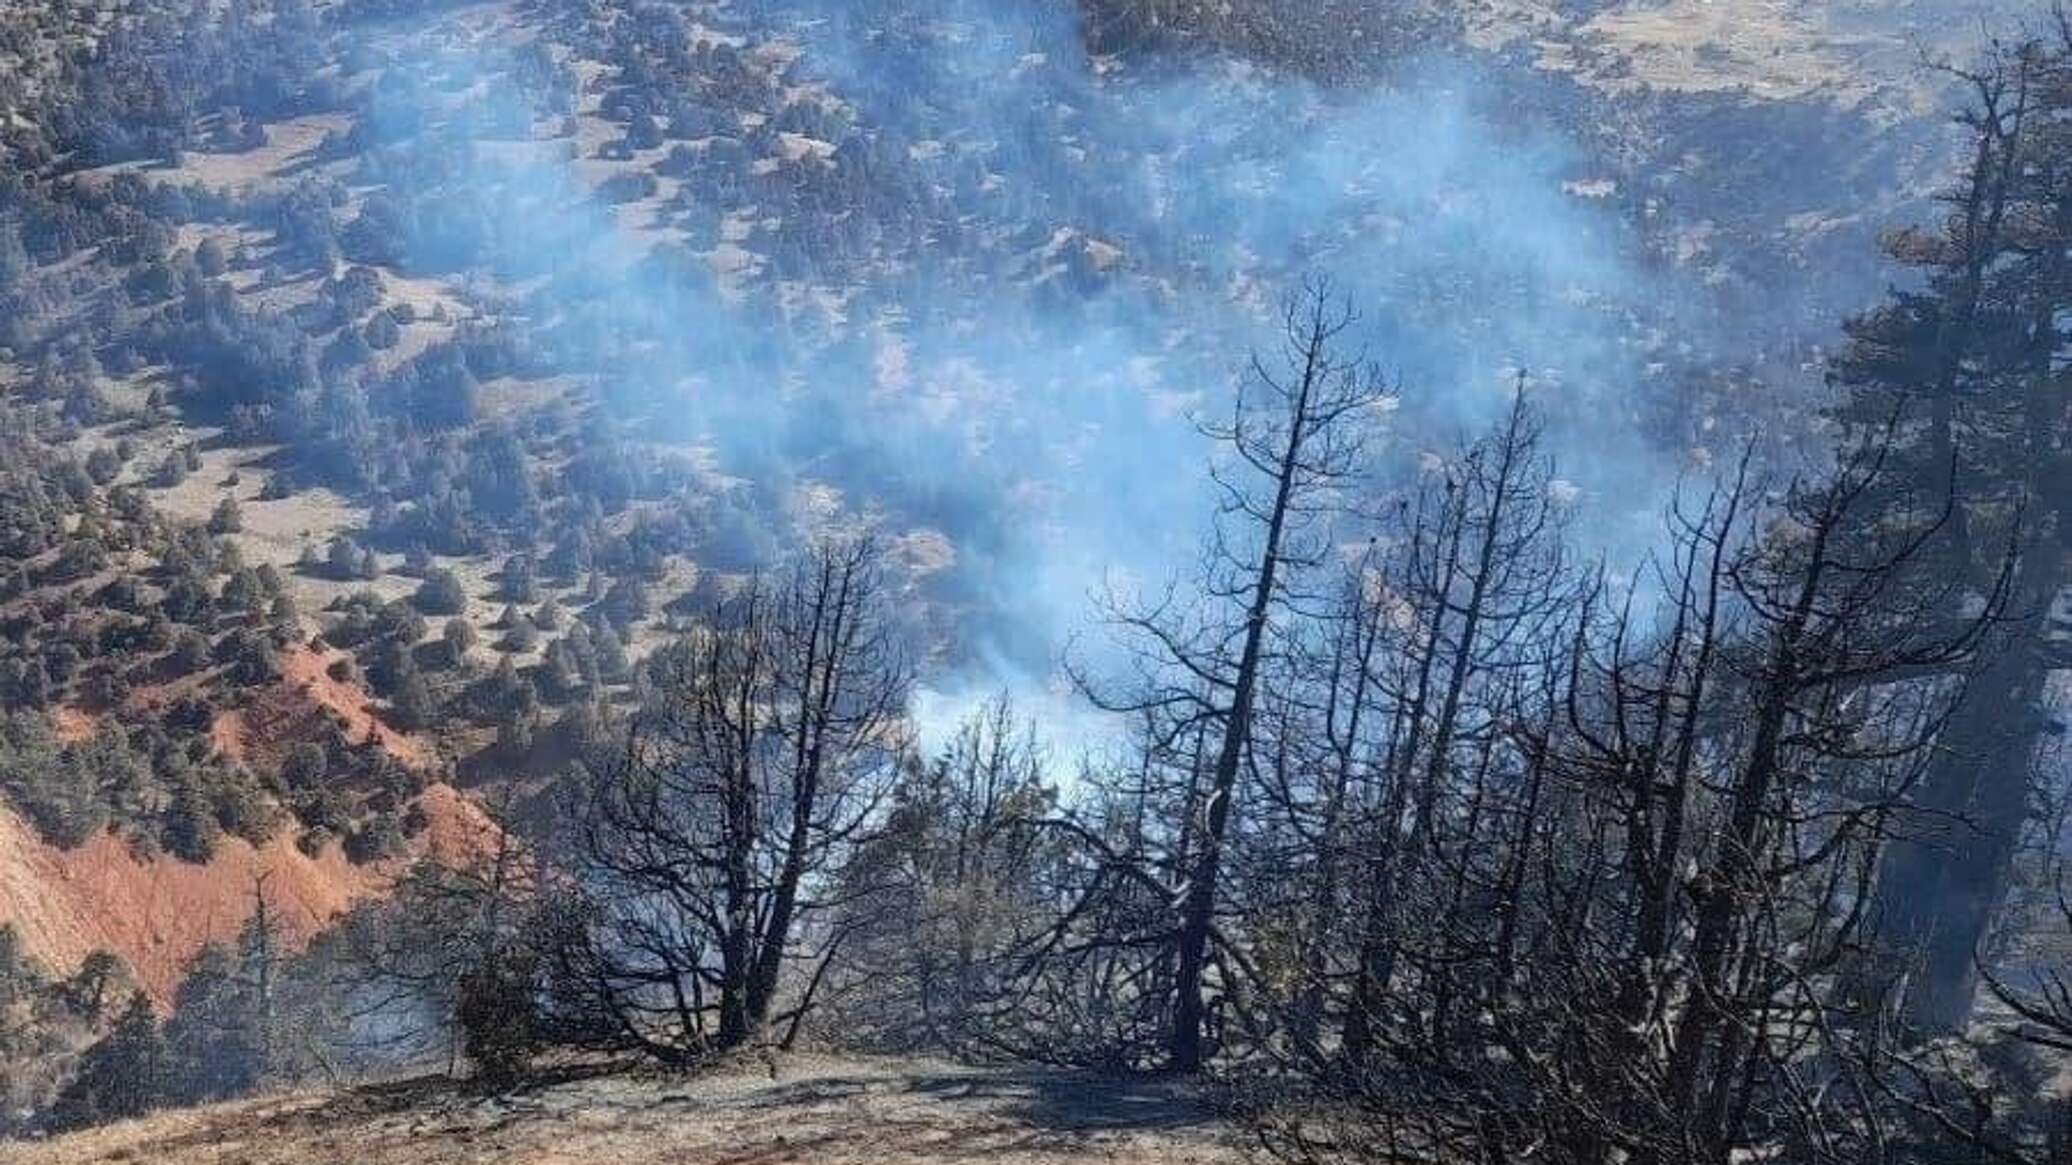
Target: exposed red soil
[149, 698]
[275, 719]
[157, 913]
[72, 725]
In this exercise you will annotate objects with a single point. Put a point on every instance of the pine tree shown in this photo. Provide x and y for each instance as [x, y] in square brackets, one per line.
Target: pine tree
[228, 517]
[213, 1043]
[519, 583]
[414, 706]
[1969, 371]
[124, 1075]
[460, 638]
[19, 974]
[86, 992]
[189, 828]
[441, 594]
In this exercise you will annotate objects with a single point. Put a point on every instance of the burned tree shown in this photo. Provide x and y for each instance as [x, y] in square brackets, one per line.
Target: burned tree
[764, 747]
[947, 889]
[1476, 587]
[1620, 935]
[1294, 439]
[458, 956]
[1974, 363]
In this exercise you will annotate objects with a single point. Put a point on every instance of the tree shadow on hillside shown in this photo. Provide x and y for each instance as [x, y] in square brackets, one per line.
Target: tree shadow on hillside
[1049, 1099]
[1074, 1101]
[979, 1112]
[434, 1096]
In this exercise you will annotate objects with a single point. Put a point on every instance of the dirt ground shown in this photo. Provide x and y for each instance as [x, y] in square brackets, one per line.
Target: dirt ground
[820, 1110]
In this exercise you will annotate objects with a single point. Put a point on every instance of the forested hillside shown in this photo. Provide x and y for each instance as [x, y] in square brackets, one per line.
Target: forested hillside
[1488, 576]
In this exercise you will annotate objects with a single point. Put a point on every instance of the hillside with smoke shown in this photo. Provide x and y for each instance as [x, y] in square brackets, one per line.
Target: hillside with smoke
[992, 261]
[1474, 581]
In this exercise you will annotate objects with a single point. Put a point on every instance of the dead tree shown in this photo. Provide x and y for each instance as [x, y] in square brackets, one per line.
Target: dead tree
[1294, 440]
[1976, 362]
[1479, 583]
[451, 957]
[1646, 862]
[949, 885]
[761, 754]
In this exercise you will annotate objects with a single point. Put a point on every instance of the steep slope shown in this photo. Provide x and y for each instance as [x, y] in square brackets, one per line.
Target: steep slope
[829, 217]
[298, 708]
[157, 912]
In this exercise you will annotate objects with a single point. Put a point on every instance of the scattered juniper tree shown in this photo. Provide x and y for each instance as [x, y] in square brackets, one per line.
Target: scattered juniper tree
[123, 1075]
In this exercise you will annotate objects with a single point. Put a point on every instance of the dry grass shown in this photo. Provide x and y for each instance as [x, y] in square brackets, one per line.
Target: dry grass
[838, 1112]
[1851, 52]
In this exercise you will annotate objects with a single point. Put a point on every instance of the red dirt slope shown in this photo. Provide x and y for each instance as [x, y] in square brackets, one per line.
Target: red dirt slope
[157, 914]
[276, 718]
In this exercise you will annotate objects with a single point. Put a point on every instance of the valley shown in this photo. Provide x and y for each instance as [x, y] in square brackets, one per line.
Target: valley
[414, 413]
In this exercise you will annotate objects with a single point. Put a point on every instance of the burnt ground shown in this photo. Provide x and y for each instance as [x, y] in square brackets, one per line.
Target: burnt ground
[815, 1109]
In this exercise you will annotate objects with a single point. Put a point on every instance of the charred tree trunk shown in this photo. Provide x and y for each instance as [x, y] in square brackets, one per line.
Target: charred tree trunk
[1944, 878]
[1198, 906]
